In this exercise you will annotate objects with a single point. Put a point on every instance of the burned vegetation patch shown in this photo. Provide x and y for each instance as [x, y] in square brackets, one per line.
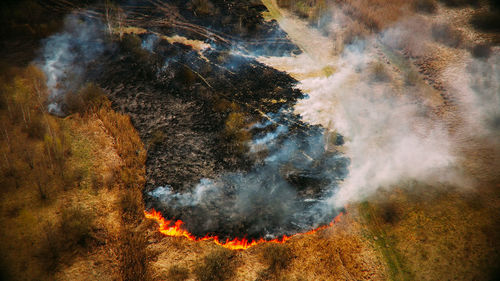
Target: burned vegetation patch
[190, 110]
[226, 154]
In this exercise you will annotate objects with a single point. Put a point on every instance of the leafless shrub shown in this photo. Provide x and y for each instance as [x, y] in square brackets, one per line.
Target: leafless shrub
[277, 256]
[36, 127]
[157, 138]
[216, 266]
[378, 72]
[74, 230]
[425, 6]
[446, 35]
[481, 51]
[389, 212]
[50, 249]
[131, 204]
[88, 98]
[178, 273]
[132, 43]
[76, 225]
[411, 77]
[185, 75]
[201, 7]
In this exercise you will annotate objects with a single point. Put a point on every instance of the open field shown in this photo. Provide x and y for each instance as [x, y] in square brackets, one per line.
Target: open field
[74, 187]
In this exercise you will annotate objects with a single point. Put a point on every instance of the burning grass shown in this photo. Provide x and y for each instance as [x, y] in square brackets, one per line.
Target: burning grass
[175, 229]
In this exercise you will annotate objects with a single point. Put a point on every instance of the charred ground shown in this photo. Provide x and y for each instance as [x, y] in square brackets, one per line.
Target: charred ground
[195, 111]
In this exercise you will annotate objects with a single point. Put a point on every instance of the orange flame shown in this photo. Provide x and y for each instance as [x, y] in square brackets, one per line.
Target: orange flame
[175, 230]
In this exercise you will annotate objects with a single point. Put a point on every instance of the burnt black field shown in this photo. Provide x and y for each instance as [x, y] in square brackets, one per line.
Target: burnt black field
[200, 112]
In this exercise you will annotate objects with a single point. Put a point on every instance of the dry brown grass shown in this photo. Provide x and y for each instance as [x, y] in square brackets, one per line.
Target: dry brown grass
[134, 257]
[338, 253]
[449, 234]
[128, 145]
[48, 164]
[425, 6]
[277, 256]
[218, 265]
[355, 30]
[177, 273]
[311, 10]
[378, 72]
[74, 232]
[378, 14]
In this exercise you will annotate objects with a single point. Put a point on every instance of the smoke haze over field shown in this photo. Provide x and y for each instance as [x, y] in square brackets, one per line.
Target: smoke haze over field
[477, 83]
[300, 179]
[389, 138]
[392, 133]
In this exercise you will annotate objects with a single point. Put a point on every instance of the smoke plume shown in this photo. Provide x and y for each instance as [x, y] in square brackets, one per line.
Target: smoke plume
[66, 55]
[391, 132]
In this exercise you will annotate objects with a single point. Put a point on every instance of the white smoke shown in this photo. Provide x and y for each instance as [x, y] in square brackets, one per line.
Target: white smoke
[66, 55]
[389, 138]
[390, 135]
[271, 199]
[149, 42]
[476, 82]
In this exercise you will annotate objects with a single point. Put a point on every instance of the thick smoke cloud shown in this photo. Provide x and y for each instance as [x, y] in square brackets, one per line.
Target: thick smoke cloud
[284, 193]
[66, 55]
[388, 138]
[391, 133]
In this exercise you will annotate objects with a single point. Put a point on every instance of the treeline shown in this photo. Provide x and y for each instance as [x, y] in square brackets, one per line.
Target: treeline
[46, 161]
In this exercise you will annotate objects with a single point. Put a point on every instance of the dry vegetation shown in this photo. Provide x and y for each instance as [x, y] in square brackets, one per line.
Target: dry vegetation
[309, 9]
[341, 252]
[277, 258]
[218, 265]
[67, 185]
[71, 205]
[235, 134]
[429, 233]
[438, 235]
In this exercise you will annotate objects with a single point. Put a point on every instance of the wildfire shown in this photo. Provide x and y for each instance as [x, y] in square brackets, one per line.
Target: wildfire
[174, 229]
